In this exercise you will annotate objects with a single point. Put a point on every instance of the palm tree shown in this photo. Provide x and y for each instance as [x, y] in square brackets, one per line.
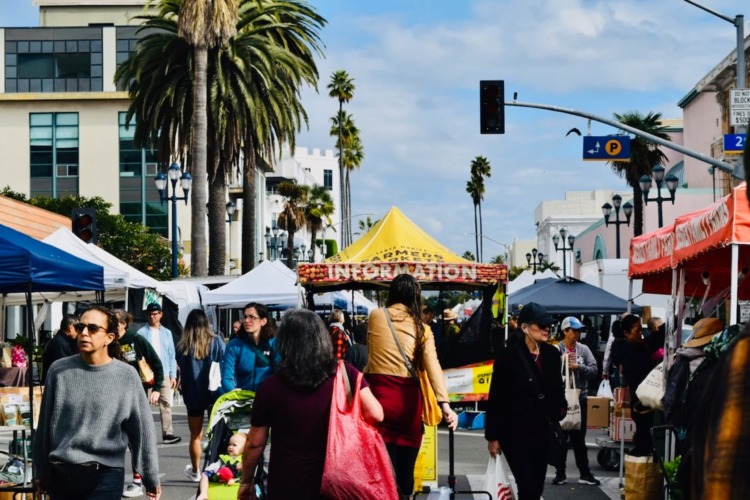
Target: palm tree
[475, 186]
[341, 87]
[342, 126]
[292, 216]
[366, 224]
[468, 255]
[353, 157]
[480, 168]
[644, 155]
[497, 259]
[318, 209]
[204, 24]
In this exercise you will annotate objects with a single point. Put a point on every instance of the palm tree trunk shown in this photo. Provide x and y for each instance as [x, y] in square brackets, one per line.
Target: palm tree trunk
[476, 231]
[637, 209]
[248, 207]
[198, 264]
[217, 195]
[348, 209]
[290, 247]
[313, 234]
[342, 194]
[480, 257]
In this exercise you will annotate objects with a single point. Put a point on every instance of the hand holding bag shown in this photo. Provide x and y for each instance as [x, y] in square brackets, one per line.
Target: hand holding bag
[497, 480]
[572, 420]
[357, 465]
[651, 391]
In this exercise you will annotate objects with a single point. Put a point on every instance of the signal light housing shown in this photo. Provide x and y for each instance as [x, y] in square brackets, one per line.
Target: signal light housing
[492, 106]
[84, 224]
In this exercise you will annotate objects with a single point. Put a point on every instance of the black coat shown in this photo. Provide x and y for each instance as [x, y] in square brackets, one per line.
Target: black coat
[60, 346]
[514, 409]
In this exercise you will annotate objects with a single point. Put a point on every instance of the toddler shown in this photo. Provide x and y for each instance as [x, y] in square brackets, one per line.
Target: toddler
[226, 469]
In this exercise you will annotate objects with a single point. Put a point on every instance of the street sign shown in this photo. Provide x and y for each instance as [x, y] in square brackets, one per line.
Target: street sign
[606, 148]
[734, 144]
[739, 101]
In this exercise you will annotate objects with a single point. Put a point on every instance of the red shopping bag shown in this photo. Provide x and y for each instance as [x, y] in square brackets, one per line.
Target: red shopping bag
[357, 465]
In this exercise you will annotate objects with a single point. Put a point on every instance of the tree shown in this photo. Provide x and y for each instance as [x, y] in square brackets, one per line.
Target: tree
[497, 259]
[474, 186]
[468, 255]
[292, 216]
[644, 155]
[480, 168]
[341, 87]
[366, 224]
[318, 210]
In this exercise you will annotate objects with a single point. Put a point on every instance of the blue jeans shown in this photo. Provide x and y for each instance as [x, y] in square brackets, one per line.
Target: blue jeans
[108, 487]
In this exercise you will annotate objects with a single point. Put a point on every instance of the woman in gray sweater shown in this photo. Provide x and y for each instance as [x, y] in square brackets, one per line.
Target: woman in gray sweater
[93, 407]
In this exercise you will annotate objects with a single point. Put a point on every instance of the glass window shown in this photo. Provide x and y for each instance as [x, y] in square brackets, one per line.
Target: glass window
[54, 154]
[328, 179]
[36, 66]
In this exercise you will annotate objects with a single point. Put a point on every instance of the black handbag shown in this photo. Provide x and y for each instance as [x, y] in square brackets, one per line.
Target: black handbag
[74, 478]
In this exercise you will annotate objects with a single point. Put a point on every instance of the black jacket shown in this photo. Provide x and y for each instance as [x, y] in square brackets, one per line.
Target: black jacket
[60, 346]
[514, 409]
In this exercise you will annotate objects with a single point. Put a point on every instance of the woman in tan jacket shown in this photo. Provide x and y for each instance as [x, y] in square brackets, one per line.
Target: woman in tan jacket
[391, 382]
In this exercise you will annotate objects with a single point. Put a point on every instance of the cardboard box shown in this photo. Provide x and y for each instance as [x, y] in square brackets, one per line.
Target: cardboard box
[615, 429]
[619, 412]
[597, 414]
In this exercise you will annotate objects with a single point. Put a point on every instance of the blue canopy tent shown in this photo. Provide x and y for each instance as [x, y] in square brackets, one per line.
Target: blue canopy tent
[27, 266]
[571, 296]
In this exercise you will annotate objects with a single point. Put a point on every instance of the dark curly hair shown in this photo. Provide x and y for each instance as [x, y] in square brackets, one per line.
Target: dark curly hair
[304, 343]
[405, 290]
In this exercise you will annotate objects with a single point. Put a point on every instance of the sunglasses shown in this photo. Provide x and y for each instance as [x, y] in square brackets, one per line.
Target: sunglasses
[250, 317]
[93, 328]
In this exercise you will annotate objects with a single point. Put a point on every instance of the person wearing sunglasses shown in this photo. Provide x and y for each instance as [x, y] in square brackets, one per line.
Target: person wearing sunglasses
[250, 357]
[92, 409]
[526, 397]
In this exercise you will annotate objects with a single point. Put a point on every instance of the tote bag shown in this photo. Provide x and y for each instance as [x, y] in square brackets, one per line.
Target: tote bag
[572, 421]
[357, 465]
[651, 391]
[431, 412]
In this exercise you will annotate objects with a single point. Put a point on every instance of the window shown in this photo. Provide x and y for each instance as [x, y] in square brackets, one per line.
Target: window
[54, 154]
[139, 199]
[328, 179]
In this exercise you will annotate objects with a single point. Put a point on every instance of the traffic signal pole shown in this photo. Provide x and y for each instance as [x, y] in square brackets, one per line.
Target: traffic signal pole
[725, 167]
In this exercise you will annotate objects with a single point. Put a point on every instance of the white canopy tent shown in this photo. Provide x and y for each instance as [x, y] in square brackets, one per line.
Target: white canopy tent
[270, 283]
[526, 278]
[343, 300]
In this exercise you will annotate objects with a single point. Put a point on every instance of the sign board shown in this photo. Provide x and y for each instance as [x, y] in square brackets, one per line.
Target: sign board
[606, 148]
[734, 143]
[739, 101]
[744, 315]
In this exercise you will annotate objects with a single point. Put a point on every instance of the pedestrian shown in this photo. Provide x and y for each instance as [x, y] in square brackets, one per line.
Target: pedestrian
[227, 469]
[62, 345]
[294, 404]
[135, 348]
[656, 337]
[583, 367]
[92, 409]
[250, 358]
[526, 397]
[339, 337]
[428, 318]
[161, 340]
[615, 341]
[357, 352]
[198, 349]
[636, 363]
[391, 382]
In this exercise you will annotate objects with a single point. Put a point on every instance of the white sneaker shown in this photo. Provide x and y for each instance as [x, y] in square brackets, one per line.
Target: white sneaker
[193, 476]
[133, 490]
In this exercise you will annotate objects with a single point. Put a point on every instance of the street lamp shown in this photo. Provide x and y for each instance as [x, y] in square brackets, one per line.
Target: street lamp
[571, 239]
[231, 207]
[535, 259]
[174, 173]
[671, 181]
[627, 209]
[275, 242]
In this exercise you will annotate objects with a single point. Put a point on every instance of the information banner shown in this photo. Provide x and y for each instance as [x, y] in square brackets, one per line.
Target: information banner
[469, 383]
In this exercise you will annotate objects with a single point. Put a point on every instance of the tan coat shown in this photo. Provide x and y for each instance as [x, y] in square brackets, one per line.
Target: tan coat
[384, 357]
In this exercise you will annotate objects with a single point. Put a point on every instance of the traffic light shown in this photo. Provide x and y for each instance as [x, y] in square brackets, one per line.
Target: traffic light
[492, 106]
[84, 224]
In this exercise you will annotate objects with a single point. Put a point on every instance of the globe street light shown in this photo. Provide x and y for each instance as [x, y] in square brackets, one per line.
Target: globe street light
[627, 209]
[535, 259]
[571, 239]
[671, 182]
[174, 173]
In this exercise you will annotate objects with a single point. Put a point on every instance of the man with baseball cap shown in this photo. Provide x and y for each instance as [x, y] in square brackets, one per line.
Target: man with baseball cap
[582, 366]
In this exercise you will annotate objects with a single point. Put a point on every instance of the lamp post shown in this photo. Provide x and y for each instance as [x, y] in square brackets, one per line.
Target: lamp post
[505, 246]
[570, 239]
[275, 242]
[671, 182]
[231, 207]
[627, 209]
[174, 173]
[535, 259]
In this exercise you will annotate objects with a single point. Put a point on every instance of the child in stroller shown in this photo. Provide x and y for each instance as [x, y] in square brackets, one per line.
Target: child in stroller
[227, 469]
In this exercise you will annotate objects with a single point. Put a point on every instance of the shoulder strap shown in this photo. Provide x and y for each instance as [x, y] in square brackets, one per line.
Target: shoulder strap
[534, 379]
[407, 363]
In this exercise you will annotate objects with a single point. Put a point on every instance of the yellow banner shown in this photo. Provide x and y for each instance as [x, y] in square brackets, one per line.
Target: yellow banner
[425, 469]
[469, 383]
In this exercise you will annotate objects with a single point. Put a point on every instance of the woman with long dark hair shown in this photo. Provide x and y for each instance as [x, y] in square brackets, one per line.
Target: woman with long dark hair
[295, 402]
[250, 357]
[93, 408]
[198, 348]
[391, 382]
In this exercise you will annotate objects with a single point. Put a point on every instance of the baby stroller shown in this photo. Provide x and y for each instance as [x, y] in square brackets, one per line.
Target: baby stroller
[230, 414]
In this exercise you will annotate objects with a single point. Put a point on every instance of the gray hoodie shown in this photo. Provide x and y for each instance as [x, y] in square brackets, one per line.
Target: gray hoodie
[587, 366]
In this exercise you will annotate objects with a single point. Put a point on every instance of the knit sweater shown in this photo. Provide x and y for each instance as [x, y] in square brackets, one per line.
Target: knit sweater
[91, 414]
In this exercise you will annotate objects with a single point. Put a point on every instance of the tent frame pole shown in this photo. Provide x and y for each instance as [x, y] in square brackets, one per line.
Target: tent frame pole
[733, 284]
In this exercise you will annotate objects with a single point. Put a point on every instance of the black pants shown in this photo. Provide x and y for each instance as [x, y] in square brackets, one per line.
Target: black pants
[578, 440]
[528, 464]
[642, 442]
[403, 459]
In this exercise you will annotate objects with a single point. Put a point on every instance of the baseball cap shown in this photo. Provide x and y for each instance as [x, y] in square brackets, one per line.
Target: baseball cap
[535, 313]
[571, 322]
[153, 306]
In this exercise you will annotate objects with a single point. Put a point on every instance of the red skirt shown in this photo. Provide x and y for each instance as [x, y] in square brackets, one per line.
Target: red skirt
[402, 406]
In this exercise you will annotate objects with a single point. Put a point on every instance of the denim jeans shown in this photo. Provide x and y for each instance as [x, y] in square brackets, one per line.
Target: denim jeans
[108, 487]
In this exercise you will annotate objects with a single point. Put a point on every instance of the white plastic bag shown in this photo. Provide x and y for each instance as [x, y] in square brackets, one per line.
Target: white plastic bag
[442, 493]
[572, 420]
[605, 390]
[497, 479]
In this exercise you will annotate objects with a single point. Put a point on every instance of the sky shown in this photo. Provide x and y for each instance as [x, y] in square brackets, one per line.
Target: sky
[416, 67]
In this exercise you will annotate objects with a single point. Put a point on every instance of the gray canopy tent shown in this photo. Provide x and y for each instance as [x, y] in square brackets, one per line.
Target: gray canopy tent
[571, 296]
